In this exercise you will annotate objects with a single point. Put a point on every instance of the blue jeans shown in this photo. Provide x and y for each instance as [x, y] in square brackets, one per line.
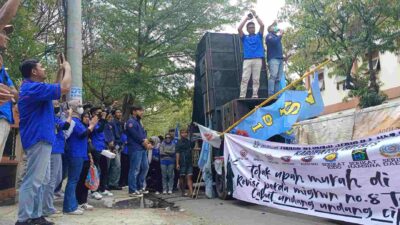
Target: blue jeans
[36, 177]
[167, 172]
[275, 74]
[139, 167]
[55, 179]
[74, 171]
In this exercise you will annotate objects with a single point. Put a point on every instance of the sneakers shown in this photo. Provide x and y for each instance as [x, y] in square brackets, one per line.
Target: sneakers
[53, 214]
[135, 194]
[164, 192]
[157, 193]
[59, 195]
[144, 191]
[106, 193]
[169, 192]
[28, 222]
[85, 206]
[96, 195]
[76, 212]
[42, 221]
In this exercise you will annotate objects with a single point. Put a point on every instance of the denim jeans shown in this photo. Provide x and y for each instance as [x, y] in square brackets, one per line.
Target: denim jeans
[167, 172]
[139, 167]
[114, 171]
[74, 171]
[55, 179]
[36, 177]
[275, 74]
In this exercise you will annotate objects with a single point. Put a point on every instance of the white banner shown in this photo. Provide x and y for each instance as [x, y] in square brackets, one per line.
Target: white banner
[357, 181]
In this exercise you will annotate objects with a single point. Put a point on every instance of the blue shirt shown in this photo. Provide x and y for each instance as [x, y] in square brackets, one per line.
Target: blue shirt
[98, 138]
[109, 132]
[6, 109]
[124, 141]
[118, 131]
[253, 46]
[37, 112]
[135, 134]
[274, 46]
[59, 143]
[78, 141]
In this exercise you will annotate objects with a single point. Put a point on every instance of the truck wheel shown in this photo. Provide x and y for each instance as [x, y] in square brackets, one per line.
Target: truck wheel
[220, 186]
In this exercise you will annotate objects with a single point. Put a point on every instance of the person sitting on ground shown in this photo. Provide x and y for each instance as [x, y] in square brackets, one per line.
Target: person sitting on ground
[167, 152]
[184, 162]
[253, 54]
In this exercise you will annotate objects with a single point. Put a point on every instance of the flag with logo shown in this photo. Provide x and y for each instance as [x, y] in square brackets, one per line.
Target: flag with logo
[273, 119]
[210, 136]
[314, 104]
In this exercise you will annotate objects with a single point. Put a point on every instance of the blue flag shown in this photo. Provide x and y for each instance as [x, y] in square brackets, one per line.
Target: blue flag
[282, 82]
[204, 155]
[314, 102]
[274, 119]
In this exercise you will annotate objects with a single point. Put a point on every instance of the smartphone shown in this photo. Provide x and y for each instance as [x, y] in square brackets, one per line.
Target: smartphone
[61, 57]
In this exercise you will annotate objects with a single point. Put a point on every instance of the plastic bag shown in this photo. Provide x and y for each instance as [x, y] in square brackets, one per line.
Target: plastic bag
[92, 179]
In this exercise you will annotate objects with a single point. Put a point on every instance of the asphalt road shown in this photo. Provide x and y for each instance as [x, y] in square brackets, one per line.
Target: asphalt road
[235, 212]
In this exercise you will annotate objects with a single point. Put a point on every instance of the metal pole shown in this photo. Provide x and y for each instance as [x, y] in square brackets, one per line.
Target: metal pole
[74, 47]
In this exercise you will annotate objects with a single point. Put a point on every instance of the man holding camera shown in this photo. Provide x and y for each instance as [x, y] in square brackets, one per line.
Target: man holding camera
[274, 57]
[253, 53]
[37, 135]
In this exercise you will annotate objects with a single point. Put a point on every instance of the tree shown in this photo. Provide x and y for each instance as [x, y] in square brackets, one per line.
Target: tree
[147, 46]
[345, 30]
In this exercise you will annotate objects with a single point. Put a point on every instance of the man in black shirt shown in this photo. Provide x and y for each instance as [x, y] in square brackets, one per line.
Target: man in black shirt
[184, 162]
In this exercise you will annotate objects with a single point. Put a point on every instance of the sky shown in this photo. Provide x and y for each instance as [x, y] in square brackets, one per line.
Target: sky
[267, 10]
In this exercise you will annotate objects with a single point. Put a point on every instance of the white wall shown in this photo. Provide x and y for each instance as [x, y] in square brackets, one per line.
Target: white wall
[389, 76]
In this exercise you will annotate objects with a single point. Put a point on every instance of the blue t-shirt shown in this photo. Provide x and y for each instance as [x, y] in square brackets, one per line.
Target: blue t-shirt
[59, 143]
[78, 141]
[6, 109]
[253, 46]
[98, 139]
[274, 46]
[37, 112]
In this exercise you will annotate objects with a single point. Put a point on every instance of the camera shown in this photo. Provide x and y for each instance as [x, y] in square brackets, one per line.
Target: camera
[250, 15]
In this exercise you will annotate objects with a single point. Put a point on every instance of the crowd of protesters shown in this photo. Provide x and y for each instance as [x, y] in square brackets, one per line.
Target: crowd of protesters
[67, 139]
[64, 141]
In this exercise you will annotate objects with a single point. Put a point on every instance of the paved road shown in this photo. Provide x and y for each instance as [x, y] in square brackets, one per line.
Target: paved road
[192, 212]
[234, 212]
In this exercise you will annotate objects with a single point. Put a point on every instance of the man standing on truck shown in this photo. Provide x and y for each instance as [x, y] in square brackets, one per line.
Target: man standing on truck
[253, 53]
[274, 57]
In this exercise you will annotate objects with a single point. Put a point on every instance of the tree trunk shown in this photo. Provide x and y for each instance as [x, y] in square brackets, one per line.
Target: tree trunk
[372, 73]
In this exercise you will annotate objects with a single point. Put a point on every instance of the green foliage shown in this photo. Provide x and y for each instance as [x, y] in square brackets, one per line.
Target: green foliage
[367, 96]
[343, 30]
